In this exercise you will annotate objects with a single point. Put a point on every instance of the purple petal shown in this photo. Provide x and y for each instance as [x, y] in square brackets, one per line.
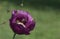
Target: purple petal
[28, 22]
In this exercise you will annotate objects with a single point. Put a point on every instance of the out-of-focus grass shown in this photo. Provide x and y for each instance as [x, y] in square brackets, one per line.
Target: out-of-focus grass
[47, 23]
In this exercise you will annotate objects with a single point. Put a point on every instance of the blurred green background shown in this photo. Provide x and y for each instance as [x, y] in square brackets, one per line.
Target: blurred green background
[45, 12]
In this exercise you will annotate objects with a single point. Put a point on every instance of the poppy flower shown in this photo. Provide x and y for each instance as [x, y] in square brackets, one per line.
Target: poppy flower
[21, 22]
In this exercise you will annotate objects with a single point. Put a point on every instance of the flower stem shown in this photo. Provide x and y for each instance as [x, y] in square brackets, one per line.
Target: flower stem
[14, 35]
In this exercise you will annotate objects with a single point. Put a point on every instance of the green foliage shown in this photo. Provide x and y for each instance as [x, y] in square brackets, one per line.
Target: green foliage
[47, 22]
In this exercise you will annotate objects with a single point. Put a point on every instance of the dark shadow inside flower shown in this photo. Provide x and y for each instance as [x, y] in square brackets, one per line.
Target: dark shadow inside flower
[22, 20]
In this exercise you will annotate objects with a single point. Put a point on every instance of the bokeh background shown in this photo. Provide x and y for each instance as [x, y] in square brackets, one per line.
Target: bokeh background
[45, 12]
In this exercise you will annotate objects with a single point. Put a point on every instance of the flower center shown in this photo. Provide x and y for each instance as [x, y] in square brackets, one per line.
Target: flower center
[20, 23]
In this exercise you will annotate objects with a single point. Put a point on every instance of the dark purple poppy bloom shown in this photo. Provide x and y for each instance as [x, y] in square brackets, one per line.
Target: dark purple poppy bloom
[21, 22]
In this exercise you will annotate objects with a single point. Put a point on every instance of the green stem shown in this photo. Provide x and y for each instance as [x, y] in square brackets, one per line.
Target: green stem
[14, 35]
